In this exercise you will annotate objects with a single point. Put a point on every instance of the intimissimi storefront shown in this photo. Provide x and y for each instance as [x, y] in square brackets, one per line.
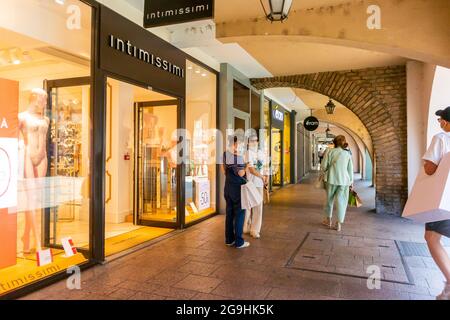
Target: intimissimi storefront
[110, 140]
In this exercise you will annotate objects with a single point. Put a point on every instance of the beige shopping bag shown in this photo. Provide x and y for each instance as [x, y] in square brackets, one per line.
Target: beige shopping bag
[250, 197]
[430, 197]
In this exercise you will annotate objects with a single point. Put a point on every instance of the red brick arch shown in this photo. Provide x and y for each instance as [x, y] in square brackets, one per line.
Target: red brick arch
[378, 97]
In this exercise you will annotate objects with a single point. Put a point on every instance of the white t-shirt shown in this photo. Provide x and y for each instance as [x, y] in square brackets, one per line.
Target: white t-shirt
[440, 145]
[252, 158]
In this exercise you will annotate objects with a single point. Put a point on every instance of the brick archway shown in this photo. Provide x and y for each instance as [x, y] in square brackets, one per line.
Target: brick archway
[378, 97]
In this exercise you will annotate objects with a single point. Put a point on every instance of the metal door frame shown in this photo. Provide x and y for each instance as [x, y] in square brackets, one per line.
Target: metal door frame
[138, 106]
[48, 86]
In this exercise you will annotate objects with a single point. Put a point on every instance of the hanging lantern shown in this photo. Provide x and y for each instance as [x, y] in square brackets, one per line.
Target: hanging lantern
[279, 9]
[330, 106]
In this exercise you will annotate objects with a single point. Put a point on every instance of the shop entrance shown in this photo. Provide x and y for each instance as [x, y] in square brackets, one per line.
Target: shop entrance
[141, 171]
[156, 169]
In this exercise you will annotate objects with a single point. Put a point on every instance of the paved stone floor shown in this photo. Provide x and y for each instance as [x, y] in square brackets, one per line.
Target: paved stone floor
[195, 264]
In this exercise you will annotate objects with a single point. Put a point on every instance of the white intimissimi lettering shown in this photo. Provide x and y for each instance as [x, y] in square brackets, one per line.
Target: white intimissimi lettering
[178, 11]
[128, 48]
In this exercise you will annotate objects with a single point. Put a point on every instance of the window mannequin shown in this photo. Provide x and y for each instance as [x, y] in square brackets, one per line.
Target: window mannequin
[33, 127]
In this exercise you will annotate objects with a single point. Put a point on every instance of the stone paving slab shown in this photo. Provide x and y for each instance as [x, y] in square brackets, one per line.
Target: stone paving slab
[335, 254]
[195, 264]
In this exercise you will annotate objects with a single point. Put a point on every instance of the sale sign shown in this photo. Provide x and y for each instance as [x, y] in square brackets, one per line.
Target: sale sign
[44, 257]
[69, 247]
[202, 194]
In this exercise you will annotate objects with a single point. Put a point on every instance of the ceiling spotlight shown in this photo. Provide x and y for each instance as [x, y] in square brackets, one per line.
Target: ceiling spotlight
[189, 67]
[197, 71]
[203, 74]
[60, 2]
[13, 56]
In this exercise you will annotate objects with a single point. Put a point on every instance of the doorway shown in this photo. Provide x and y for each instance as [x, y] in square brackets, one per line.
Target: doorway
[141, 184]
[156, 167]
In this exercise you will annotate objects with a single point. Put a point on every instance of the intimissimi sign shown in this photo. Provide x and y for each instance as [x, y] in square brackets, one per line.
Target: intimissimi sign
[125, 46]
[166, 12]
[131, 52]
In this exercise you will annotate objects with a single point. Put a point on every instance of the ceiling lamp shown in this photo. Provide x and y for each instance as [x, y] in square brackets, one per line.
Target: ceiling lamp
[330, 106]
[279, 9]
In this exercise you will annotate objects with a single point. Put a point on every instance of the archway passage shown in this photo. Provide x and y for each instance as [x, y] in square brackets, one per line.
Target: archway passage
[378, 97]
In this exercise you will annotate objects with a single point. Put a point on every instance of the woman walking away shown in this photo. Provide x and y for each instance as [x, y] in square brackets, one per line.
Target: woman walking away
[440, 146]
[234, 169]
[337, 166]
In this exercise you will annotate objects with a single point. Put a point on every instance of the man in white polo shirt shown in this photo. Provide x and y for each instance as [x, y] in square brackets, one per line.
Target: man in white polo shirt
[440, 146]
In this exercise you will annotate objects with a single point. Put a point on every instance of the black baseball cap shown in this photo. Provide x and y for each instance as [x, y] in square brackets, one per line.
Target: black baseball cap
[444, 114]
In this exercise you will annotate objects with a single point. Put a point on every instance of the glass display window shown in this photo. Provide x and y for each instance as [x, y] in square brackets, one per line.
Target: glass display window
[256, 112]
[200, 163]
[241, 97]
[45, 67]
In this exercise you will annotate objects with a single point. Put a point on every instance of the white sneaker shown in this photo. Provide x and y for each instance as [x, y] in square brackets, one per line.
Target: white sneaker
[244, 245]
[445, 294]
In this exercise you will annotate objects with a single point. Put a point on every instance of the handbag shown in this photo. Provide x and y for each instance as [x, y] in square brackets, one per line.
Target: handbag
[429, 200]
[320, 182]
[353, 199]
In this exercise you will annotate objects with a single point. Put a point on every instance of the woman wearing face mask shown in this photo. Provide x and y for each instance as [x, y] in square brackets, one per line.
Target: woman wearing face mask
[255, 161]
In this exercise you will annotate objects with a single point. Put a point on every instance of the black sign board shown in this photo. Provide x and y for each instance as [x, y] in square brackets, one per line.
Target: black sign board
[278, 117]
[129, 50]
[165, 12]
[311, 123]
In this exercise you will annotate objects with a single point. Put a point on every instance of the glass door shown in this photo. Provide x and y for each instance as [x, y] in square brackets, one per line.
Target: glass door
[157, 169]
[66, 188]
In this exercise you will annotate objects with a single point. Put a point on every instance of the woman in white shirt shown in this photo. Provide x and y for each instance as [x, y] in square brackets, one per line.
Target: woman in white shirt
[439, 147]
[256, 162]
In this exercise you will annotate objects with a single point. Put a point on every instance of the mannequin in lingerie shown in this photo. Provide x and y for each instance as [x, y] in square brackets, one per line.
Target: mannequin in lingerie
[33, 127]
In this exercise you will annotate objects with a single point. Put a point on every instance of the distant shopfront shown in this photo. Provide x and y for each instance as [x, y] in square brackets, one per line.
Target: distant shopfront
[282, 142]
[244, 110]
[111, 170]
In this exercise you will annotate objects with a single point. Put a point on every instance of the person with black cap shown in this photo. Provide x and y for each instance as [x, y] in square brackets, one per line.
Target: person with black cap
[440, 146]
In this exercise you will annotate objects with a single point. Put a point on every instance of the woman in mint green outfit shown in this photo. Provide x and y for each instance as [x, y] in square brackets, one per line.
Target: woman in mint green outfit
[337, 166]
